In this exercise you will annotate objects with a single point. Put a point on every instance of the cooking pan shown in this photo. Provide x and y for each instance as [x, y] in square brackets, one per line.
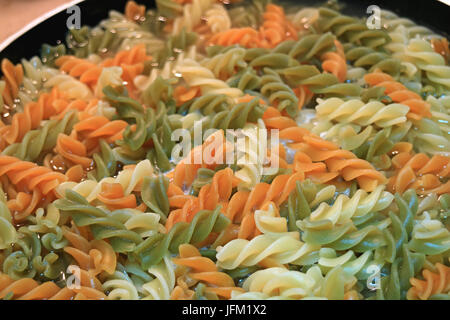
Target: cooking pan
[51, 28]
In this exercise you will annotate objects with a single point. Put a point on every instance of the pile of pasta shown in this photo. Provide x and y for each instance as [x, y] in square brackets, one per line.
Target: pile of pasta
[94, 206]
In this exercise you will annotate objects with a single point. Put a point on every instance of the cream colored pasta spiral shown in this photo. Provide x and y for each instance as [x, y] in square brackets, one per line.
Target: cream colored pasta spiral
[252, 160]
[421, 53]
[110, 76]
[284, 248]
[217, 18]
[129, 179]
[269, 221]
[145, 224]
[329, 259]
[142, 82]
[344, 208]
[131, 33]
[305, 17]
[280, 283]
[196, 75]
[74, 88]
[163, 283]
[192, 15]
[360, 113]
[224, 64]
[121, 288]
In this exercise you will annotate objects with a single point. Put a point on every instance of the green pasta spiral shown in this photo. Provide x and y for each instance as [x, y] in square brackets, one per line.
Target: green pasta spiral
[105, 162]
[319, 83]
[28, 260]
[152, 250]
[276, 90]
[349, 29]
[37, 142]
[371, 60]
[103, 224]
[154, 195]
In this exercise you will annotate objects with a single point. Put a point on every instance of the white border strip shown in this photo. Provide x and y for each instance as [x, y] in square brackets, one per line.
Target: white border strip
[37, 21]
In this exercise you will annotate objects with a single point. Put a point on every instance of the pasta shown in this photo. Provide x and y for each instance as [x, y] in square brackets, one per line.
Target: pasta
[228, 150]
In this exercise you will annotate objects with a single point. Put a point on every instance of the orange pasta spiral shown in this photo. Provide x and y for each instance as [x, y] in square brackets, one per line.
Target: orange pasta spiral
[441, 46]
[337, 160]
[31, 117]
[131, 61]
[432, 283]
[335, 63]
[208, 155]
[29, 289]
[399, 93]
[246, 37]
[276, 27]
[13, 76]
[419, 172]
[93, 257]
[113, 197]
[23, 204]
[91, 129]
[132, 64]
[202, 269]
[242, 204]
[29, 175]
[134, 12]
[73, 150]
[273, 119]
[210, 196]
[135, 55]
[83, 69]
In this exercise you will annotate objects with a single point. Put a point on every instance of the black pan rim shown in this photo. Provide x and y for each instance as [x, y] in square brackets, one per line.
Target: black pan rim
[27, 42]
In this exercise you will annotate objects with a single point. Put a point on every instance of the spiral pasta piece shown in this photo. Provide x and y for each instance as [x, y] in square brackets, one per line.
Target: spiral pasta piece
[399, 93]
[344, 208]
[337, 160]
[224, 65]
[422, 54]
[279, 283]
[263, 249]
[252, 161]
[31, 117]
[36, 142]
[29, 289]
[130, 179]
[196, 75]
[87, 71]
[275, 27]
[202, 269]
[350, 29]
[152, 250]
[357, 112]
[217, 18]
[246, 37]
[335, 62]
[13, 77]
[30, 175]
[434, 283]
[419, 172]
